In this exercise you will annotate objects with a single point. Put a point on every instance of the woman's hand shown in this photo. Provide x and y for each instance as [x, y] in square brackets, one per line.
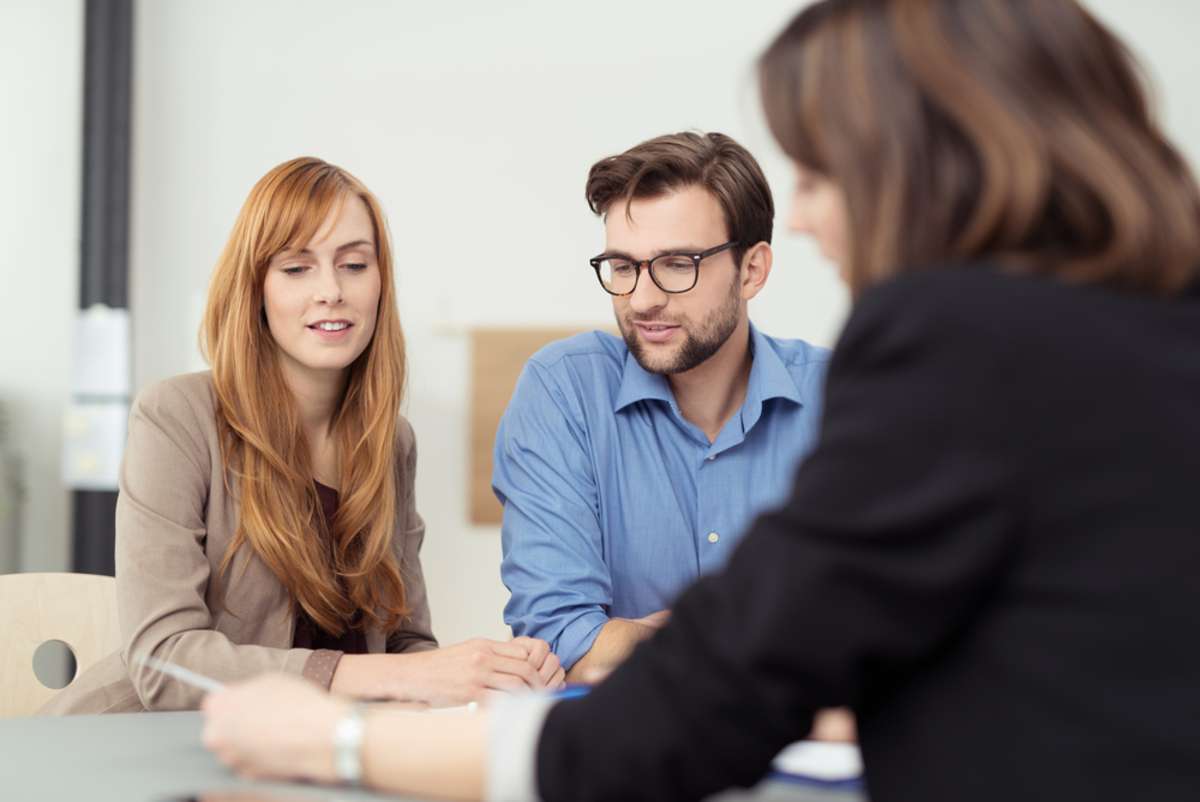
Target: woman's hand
[466, 671]
[279, 727]
[274, 726]
[539, 656]
[834, 724]
[454, 675]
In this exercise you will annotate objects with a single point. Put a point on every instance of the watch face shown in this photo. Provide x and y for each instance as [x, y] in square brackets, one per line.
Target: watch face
[347, 746]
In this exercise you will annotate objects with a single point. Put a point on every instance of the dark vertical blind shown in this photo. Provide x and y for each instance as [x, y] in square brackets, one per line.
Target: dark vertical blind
[104, 244]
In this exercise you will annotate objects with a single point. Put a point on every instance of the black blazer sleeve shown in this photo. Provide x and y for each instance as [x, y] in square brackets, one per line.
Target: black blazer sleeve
[900, 525]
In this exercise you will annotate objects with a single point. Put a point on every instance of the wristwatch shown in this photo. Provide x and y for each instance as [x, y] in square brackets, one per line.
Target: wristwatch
[347, 746]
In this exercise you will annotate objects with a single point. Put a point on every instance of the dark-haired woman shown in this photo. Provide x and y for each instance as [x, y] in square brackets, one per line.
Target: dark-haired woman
[991, 556]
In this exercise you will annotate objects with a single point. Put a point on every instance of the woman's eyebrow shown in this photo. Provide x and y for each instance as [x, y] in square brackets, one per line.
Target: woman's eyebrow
[358, 243]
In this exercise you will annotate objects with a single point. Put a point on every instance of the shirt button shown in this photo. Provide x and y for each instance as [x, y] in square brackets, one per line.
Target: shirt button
[711, 457]
[713, 537]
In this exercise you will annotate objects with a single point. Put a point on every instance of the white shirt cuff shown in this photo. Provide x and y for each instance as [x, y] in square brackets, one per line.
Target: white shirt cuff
[515, 724]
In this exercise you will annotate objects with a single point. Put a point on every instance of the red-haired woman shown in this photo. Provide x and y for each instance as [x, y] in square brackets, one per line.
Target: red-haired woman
[266, 518]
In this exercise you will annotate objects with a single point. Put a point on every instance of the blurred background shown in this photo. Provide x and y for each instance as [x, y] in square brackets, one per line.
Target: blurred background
[474, 122]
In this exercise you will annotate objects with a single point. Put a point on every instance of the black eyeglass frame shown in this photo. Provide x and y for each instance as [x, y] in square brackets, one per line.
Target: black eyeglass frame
[696, 258]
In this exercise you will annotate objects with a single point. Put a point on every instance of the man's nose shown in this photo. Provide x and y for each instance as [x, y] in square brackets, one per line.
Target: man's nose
[646, 296]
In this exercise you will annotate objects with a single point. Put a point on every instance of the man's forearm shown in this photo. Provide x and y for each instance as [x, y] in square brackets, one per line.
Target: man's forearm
[612, 645]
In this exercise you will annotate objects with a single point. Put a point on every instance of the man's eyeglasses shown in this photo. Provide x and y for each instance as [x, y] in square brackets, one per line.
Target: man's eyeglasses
[670, 272]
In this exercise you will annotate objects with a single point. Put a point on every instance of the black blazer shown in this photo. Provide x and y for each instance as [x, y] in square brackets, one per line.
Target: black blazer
[992, 555]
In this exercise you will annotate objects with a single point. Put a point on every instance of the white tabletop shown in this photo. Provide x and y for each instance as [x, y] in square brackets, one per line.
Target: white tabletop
[149, 757]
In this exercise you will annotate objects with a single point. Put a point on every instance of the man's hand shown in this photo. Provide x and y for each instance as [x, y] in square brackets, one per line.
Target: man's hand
[273, 727]
[654, 621]
[614, 643]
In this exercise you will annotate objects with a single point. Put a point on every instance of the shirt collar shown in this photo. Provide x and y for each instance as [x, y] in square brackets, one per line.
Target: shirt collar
[769, 378]
[639, 384]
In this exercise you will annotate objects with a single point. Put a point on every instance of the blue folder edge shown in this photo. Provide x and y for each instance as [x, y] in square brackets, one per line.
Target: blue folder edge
[840, 784]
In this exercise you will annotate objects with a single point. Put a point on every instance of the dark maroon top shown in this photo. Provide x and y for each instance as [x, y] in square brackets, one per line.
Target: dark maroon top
[308, 634]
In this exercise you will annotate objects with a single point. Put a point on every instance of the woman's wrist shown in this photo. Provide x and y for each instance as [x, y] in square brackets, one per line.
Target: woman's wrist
[374, 676]
[357, 676]
[318, 762]
[309, 749]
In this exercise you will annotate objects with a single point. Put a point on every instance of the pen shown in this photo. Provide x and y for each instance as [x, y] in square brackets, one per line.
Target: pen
[207, 684]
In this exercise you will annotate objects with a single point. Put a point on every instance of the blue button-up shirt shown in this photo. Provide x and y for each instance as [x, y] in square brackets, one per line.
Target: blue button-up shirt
[613, 502]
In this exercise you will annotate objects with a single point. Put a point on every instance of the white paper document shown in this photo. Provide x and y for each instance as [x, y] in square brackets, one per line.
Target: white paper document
[820, 761]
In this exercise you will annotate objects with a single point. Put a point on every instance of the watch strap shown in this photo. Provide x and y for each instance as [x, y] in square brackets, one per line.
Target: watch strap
[347, 746]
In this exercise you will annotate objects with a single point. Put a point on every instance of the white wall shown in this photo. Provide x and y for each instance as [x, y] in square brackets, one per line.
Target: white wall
[1162, 35]
[475, 123]
[41, 70]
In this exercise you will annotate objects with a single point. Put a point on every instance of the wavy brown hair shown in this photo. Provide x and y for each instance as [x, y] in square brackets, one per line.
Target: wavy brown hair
[1013, 130]
[331, 575]
[670, 162]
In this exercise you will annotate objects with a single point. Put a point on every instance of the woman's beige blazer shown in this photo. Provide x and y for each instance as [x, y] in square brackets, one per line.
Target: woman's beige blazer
[175, 518]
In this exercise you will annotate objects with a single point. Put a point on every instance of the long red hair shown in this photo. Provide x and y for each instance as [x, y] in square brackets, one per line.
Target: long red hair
[262, 441]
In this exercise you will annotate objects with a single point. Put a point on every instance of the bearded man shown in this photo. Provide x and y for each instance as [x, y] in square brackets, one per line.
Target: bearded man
[630, 466]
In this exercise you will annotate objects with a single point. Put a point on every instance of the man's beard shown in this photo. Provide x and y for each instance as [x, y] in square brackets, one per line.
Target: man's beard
[697, 345]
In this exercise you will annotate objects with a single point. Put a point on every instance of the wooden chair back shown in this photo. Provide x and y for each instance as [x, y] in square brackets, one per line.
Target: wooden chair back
[78, 609]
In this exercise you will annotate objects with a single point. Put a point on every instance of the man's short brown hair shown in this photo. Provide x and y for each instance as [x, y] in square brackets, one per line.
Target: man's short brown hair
[674, 161]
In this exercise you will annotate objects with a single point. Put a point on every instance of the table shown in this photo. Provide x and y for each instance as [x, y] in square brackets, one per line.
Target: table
[148, 757]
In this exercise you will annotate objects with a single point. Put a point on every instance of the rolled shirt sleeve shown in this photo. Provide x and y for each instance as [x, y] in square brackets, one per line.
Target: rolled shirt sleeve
[553, 553]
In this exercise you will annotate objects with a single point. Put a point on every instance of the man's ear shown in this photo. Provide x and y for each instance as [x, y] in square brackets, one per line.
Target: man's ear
[756, 267]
